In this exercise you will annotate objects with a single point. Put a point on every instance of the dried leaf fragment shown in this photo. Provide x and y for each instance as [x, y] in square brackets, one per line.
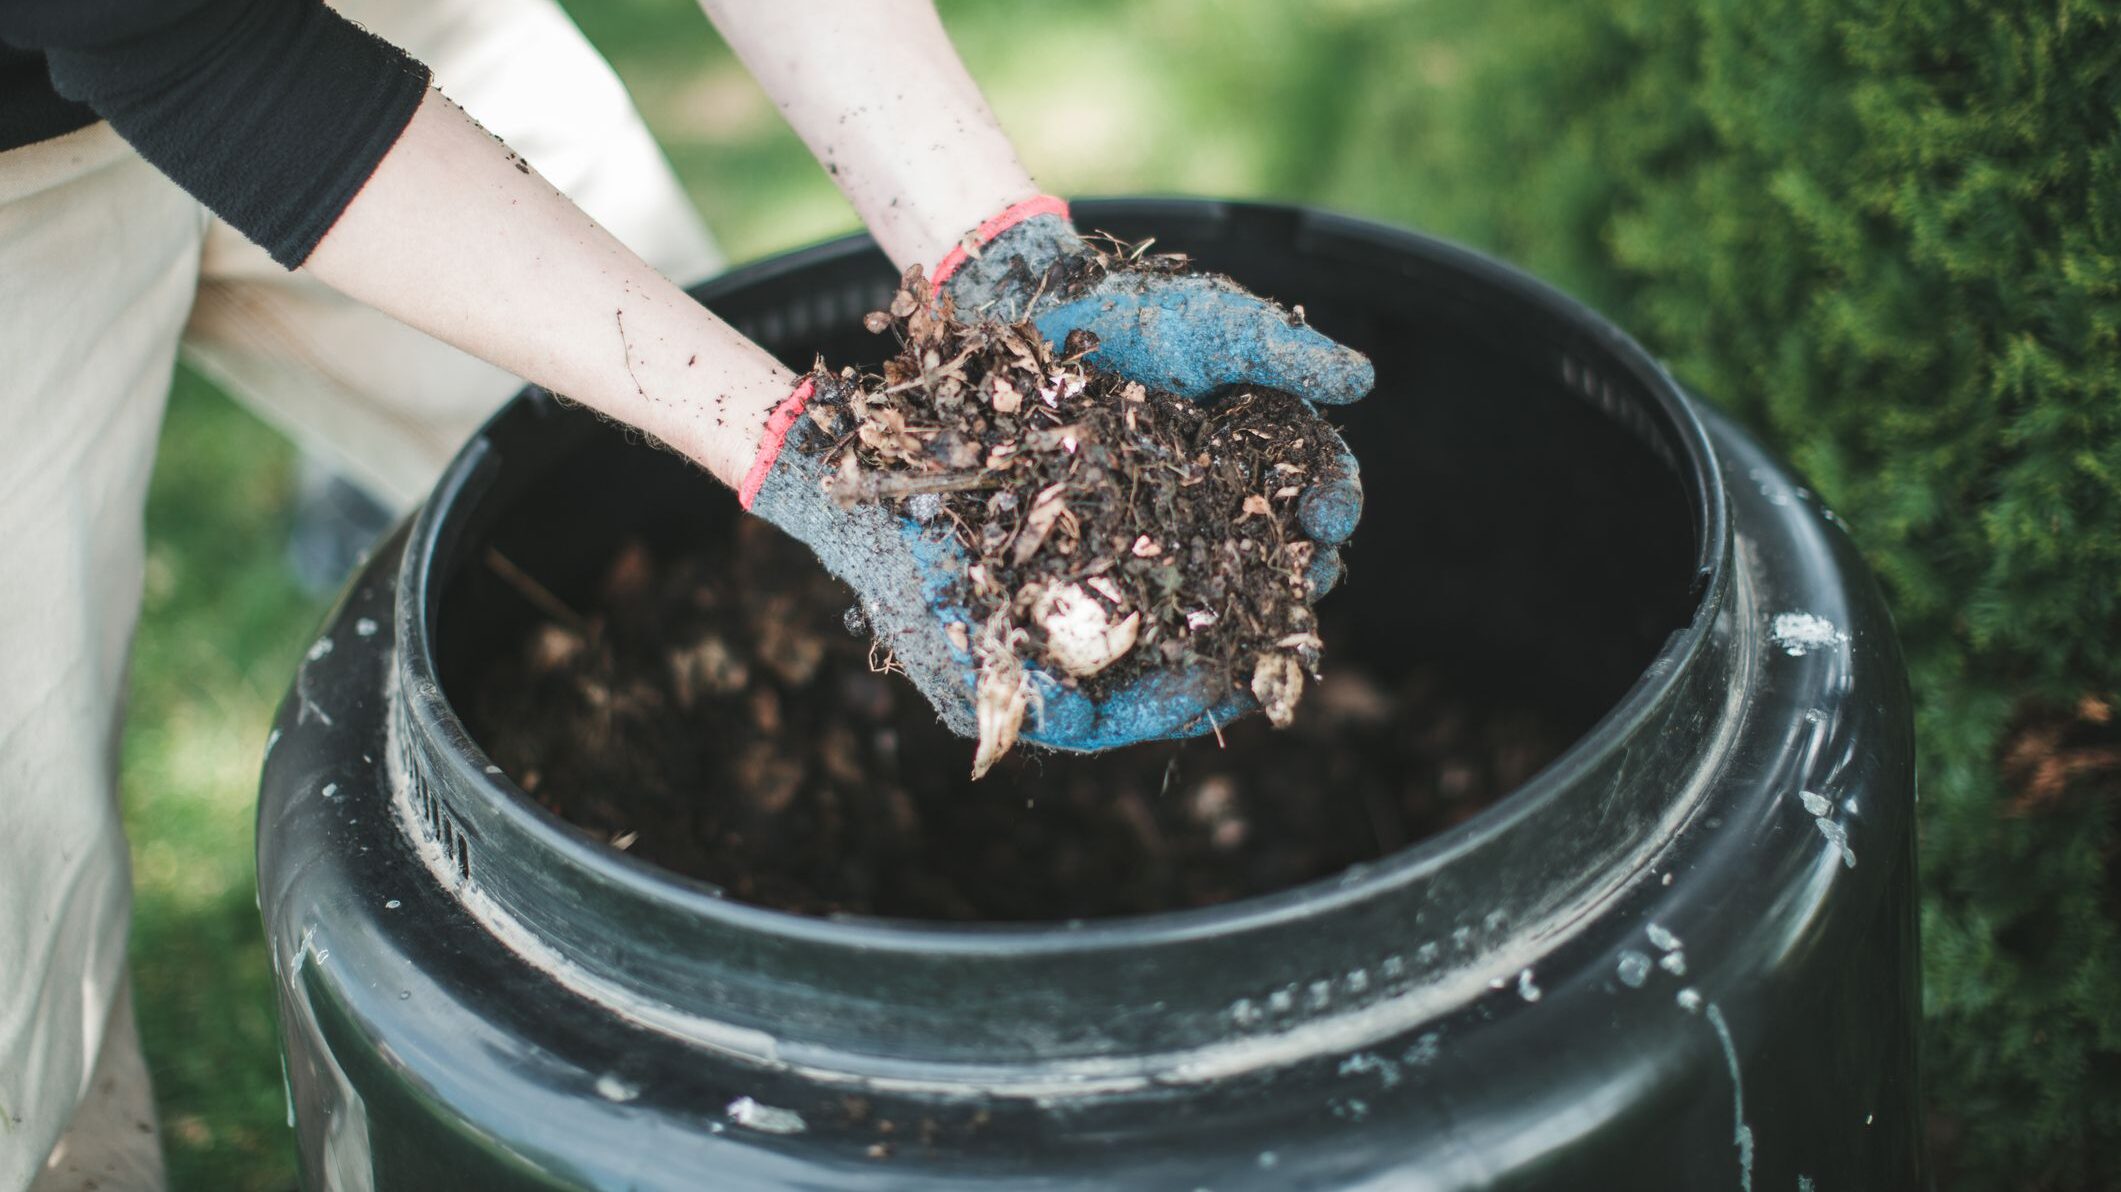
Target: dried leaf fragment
[1001, 696]
[709, 666]
[1277, 683]
[1046, 510]
[1081, 637]
[1006, 399]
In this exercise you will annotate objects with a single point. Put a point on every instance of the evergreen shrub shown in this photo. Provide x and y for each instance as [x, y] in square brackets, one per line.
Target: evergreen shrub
[1888, 236]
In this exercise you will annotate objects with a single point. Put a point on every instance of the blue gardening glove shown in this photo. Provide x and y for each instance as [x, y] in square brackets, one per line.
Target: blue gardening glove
[1191, 334]
[909, 575]
[1185, 333]
[905, 573]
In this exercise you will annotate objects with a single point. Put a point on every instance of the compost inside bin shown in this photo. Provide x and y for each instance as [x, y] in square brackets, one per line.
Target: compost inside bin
[722, 714]
[682, 682]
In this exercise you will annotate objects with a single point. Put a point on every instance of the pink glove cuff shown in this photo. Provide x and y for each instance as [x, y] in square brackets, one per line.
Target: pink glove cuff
[778, 424]
[986, 232]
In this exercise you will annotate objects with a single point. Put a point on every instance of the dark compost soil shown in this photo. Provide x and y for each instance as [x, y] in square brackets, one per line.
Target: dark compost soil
[721, 717]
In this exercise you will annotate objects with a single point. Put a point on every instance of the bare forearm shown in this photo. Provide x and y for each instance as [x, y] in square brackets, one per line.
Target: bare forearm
[876, 90]
[457, 236]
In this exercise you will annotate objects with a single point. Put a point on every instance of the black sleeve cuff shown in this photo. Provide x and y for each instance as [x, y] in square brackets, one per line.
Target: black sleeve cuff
[273, 113]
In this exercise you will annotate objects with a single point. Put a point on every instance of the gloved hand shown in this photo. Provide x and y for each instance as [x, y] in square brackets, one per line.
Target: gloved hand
[908, 575]
[1185, 333]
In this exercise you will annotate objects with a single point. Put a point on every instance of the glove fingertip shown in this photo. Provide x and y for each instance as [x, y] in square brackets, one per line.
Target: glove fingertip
[1325, 572]
[1330, 509]
[1299, 359]
[1345, 376]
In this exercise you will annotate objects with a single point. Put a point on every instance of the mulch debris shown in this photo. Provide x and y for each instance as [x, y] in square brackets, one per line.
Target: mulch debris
[1111, 529]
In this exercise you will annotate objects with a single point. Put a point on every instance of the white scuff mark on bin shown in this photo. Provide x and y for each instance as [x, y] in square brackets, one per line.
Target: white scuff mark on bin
[302, 949]
[1689, 1001]
[365, 627]
[1662, 937]
[1633, 969]
[1674, 963]
[310, 708]
[307, 707]
[1741, 1134]
[611, 1088]
[766, 1119]
[1526, 988]
[1364, 1062]
[1837, 835]
[1424, 1050]
[1800, 633]
[1772, 487]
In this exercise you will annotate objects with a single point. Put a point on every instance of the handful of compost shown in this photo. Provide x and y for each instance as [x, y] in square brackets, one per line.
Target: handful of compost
[1061, 553]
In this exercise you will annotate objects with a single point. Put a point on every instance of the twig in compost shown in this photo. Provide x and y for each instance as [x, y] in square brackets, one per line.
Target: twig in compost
[533, 591]
[872, 486]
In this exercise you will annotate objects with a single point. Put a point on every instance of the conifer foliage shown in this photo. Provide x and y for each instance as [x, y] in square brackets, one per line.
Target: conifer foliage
[1887, 233]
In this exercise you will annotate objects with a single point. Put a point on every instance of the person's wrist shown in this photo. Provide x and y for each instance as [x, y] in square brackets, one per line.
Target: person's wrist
[973, 244]
[1003, 266]
[773, 440]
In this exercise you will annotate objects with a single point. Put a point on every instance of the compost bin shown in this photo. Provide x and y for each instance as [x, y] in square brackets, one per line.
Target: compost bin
[1673, 949]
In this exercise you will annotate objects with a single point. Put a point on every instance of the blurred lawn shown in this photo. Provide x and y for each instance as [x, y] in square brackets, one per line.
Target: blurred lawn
[1254, 99]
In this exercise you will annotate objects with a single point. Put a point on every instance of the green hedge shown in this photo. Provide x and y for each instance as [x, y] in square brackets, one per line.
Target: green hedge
[1889, 236]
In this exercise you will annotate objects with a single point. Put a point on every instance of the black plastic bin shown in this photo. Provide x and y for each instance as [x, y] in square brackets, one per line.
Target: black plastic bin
[1683, 955]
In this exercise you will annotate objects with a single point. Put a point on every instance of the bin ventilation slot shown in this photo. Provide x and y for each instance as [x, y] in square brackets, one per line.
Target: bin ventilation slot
[1621, 402]
[436, 820]
[819, 313]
